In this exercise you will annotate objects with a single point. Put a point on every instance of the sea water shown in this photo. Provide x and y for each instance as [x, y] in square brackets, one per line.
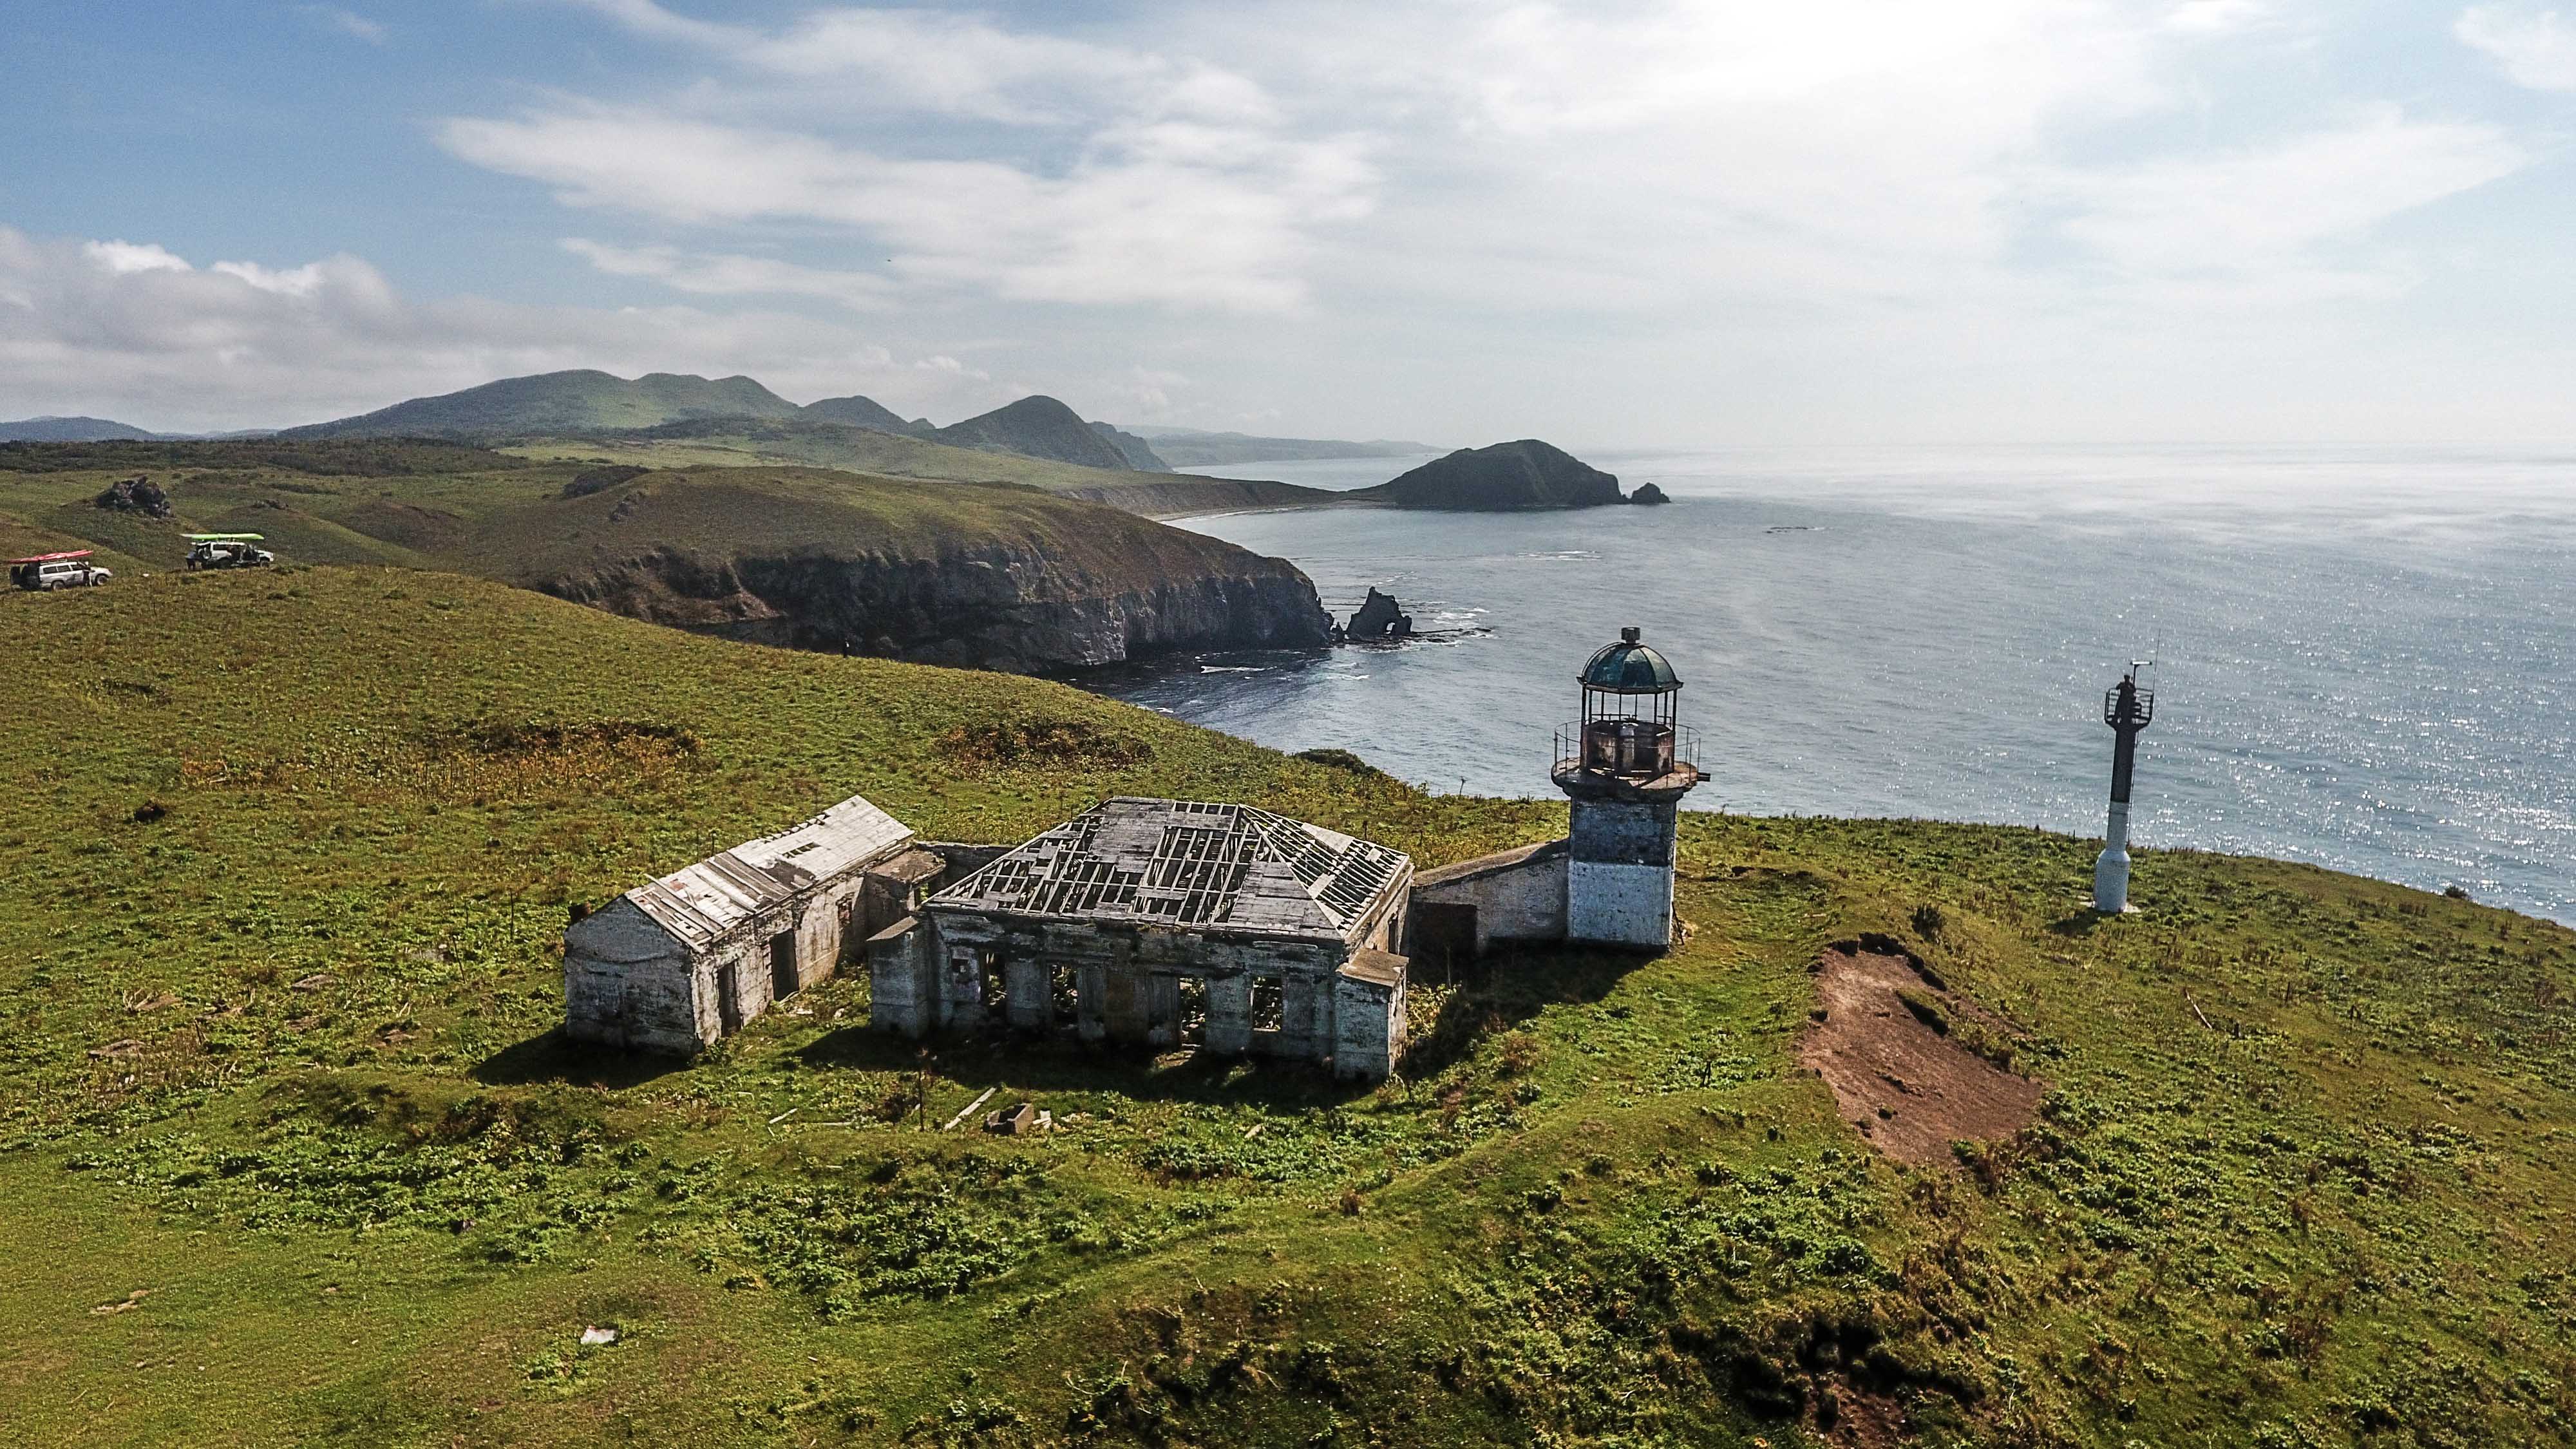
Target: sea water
[2362, 659]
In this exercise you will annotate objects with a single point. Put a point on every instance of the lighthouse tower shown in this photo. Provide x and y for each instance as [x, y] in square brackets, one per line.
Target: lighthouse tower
[2127, 710]
[1627, 764]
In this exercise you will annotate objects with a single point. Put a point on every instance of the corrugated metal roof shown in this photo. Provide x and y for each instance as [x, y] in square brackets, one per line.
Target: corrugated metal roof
[1186, 864]
[700, 902]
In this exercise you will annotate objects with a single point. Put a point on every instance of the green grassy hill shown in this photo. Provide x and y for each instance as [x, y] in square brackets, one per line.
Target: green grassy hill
[289, 1154]
[559, 401]
[677, 545]
[735, 442]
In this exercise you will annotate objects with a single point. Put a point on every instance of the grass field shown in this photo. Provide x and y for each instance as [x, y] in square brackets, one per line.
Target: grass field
[289, 1154]
[739, 443]
[497, 515]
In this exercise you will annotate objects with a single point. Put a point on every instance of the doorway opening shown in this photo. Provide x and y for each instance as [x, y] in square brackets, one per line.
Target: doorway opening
[782, 966]
[729, 997]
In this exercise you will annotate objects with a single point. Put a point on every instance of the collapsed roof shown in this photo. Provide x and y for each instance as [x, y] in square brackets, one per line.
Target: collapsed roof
[701, 902]
[1204, 867]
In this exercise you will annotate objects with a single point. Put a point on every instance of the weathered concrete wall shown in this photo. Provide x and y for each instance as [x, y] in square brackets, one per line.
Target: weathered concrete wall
[1621, 905]
[1368, 1027]
[1518, 895]
[1127, 985]
[628, 983]
[899, 989]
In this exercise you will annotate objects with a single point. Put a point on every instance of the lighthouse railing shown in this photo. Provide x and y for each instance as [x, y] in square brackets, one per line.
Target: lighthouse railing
[1628, 748]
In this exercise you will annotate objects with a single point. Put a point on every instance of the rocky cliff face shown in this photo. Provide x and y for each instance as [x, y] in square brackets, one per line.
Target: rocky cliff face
[991, 607]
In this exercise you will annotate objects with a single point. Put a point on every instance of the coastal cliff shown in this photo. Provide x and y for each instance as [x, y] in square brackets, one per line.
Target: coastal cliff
[976, 575]
[1010, 609]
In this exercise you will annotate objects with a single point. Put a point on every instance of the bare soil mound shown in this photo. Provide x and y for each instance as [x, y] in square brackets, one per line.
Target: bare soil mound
[1896, 1049]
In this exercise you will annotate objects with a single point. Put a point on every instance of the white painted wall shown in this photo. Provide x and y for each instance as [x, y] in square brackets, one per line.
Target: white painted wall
[1625, 905]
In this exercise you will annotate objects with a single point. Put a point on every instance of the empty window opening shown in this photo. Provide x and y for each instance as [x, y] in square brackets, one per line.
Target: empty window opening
[1192, 1023]
[1065, 1003]
[1269, 1004]
[997, 983]
[782, 966]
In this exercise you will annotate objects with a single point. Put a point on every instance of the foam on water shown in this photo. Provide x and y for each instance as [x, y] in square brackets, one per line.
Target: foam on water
[2366, 659]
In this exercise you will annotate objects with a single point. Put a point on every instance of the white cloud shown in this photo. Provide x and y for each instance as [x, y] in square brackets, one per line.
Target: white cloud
[2255, 209]
[724, 275]
[133, 331]
[346, 22]
[961, 65]
[2215, 17]
[122, 257]
[1148, 219]
[2537, 48]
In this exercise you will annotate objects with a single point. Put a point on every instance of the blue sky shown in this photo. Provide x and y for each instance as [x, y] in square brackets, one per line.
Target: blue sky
[1635, 222]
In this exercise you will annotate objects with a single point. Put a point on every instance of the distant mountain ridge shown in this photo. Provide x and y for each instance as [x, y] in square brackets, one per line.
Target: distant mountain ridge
[561, 402]
[1038, 427]
[73, 430]
[587, 401]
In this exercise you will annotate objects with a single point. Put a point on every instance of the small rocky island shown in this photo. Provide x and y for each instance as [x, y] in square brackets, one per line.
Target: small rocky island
[1505, 477]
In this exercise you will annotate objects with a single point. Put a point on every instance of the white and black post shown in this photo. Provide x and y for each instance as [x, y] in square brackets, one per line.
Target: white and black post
[2126, 709]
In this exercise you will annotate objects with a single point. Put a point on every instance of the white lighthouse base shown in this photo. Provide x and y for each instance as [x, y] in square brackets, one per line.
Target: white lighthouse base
[1618, 904]
[2111, 867]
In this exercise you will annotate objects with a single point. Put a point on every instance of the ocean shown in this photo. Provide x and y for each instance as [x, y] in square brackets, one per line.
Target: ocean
[2364, 659]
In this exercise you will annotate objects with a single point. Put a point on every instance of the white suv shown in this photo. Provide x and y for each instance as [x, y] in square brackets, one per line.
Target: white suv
[61, 574]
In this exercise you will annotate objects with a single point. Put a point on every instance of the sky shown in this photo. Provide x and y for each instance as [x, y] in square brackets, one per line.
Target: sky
[1617, 223]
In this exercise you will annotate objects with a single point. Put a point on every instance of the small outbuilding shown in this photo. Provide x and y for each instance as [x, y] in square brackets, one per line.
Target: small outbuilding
[681, 962]
[1166, 923]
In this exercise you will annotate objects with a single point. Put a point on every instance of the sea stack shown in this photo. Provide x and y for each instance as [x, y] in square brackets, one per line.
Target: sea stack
[2127, 709]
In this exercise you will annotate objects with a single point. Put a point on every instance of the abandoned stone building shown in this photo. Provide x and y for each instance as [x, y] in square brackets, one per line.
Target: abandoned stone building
[680, 962]
[1156, 923]
[1167, 923]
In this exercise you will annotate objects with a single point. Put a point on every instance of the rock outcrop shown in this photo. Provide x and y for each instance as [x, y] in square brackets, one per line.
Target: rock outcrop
[135, 495]
[992, 607]
[1648, 493]
[1379, 616]
[1505, 477]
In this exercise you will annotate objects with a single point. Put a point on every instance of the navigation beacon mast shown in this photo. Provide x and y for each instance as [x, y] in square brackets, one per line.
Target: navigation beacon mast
[2127, 709]
[1626, 763]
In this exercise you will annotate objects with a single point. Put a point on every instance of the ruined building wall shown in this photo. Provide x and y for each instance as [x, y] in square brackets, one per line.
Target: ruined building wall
[960, 970]
[628, 981]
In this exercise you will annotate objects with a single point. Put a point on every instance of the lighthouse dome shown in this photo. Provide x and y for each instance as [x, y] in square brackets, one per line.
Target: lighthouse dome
[1630, 667]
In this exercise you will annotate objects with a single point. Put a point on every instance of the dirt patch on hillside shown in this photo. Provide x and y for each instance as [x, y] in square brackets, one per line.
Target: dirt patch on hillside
[1902, 1056]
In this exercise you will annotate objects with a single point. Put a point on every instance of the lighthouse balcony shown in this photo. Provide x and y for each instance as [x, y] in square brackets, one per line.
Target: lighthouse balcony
[1645, 757]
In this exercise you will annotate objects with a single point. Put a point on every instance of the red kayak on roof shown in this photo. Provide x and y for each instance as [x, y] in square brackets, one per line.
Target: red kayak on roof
[51, 557]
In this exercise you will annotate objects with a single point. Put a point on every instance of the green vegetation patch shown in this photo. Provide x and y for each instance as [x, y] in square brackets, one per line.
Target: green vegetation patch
[289, 862]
